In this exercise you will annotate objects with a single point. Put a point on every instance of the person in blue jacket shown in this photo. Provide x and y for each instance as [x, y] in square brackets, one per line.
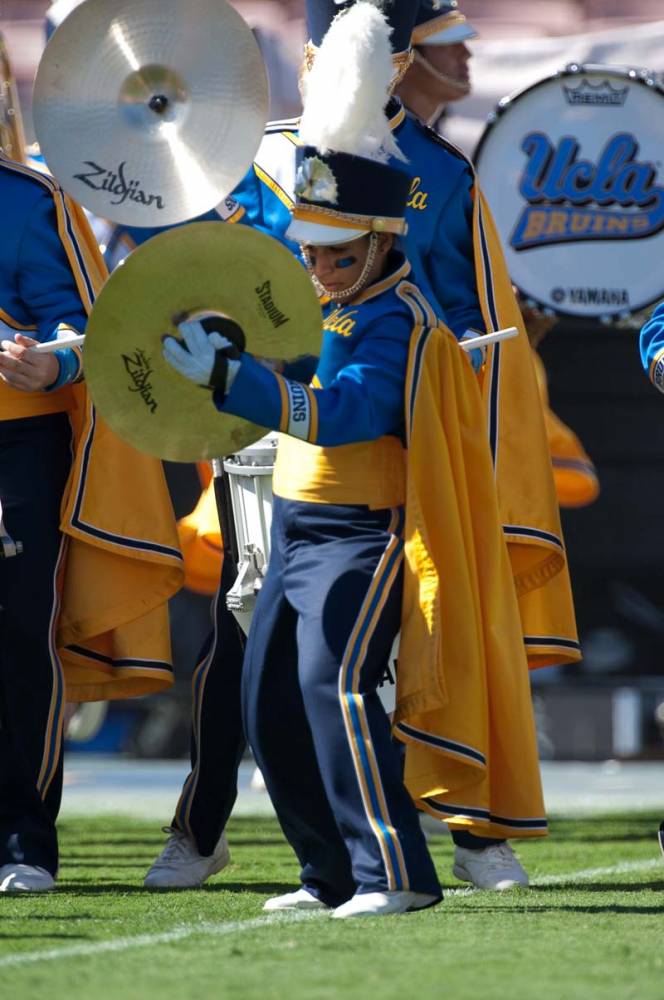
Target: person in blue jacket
[330, 605]
[651, 343]
[45, 294]
[439, 245]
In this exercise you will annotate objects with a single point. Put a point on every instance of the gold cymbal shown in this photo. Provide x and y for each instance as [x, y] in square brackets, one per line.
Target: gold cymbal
[149, 112]
[205, 267]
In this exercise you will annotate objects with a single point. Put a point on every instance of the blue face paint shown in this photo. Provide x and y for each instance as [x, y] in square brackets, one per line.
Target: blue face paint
[345, 262]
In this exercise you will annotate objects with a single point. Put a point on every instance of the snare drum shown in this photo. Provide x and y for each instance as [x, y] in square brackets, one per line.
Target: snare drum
[572, 170]
[250, 480]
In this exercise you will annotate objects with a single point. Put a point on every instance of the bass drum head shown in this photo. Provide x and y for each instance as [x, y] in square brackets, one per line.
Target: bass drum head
[572, 170]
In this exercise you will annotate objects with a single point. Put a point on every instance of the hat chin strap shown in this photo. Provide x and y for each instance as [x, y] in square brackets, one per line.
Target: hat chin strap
[458, 88]
[354, 289]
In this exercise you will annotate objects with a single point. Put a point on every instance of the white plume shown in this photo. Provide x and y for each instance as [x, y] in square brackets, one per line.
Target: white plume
[348, 86]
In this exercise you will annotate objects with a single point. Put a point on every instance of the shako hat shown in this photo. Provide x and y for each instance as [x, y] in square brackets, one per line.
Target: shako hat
[344, 186]
[440, 22]
[399, 14]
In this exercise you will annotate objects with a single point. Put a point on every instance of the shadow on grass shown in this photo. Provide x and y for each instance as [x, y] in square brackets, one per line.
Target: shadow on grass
[100, 861]
[57, 936]
[603, 887]
[75, 888]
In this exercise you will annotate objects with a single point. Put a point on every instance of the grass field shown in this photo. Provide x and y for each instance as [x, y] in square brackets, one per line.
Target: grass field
[592, 926]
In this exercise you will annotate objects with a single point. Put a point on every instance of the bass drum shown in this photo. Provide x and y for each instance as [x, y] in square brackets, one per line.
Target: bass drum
[572, 170]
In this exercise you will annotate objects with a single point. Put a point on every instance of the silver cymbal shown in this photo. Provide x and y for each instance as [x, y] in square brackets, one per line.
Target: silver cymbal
[149, 112]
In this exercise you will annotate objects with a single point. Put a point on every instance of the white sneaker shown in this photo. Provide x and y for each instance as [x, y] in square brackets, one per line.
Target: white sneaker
[495, 868]
[25, 878]
[382, 904]
[180, 866]
[301, 899]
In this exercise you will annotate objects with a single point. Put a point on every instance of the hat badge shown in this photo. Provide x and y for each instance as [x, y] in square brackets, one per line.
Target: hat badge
[315, 181]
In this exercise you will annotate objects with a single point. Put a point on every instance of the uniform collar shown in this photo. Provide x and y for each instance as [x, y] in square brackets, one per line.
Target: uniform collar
[400, 269]
[396, 113]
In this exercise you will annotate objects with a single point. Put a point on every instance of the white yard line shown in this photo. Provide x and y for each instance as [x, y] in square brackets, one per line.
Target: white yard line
[240, 926]
[623, 868]
[147, 940]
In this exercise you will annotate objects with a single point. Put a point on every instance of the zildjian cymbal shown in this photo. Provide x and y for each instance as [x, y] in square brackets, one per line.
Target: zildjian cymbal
[206, 267]
[149, 112]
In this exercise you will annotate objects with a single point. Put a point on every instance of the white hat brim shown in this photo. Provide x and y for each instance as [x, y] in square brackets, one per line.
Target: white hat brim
[451, 36]
[301, 231]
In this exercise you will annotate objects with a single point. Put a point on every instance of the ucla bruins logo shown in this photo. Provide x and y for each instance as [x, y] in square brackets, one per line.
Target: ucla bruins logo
[341, 321]
[571, 199]
[417, 199]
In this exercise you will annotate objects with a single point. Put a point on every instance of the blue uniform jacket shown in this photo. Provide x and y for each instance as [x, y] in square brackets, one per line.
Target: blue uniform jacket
[38, 292]
[439, 242]
[652, 347]
[357, 391]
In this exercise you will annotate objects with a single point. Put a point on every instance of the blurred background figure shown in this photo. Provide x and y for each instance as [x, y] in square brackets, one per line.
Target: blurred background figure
[440, 72]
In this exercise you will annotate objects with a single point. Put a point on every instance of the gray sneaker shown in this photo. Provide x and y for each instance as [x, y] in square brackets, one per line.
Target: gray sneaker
[496, 868]
[180, 866]
[25, 878]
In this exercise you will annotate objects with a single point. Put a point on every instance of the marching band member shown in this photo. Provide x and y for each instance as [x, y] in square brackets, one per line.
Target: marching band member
[330, 605]
[651, 343]
[439, 72]
[317, 653]
[458, 263]
[438, 76]
[68, 491]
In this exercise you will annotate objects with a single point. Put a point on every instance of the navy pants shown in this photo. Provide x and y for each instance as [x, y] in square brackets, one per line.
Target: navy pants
[35, 458]
[319, 642]
[217, 738]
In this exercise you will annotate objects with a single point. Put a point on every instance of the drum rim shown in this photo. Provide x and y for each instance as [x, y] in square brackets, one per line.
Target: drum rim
[634, 74]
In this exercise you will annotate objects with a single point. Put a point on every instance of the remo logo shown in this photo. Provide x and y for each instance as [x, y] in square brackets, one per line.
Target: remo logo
[572, 199]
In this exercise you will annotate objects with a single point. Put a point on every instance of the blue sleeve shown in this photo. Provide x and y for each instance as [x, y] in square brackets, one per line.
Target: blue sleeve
[301, 369]
[651, 342]
[48, 287]
[451, 263]
[263, 209]
[364, 401]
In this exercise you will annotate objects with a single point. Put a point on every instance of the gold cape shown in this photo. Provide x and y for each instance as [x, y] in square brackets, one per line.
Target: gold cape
[122, 561]
[522, 467]
[464, 708]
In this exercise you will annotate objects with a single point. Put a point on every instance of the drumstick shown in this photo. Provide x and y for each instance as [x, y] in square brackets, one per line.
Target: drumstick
[57, 345]
[488, 338]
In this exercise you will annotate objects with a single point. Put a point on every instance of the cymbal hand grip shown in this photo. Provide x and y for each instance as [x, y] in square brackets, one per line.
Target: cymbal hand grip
[209, 360]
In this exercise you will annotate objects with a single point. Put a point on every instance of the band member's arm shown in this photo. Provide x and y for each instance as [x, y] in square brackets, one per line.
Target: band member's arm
[266, 206]
[652, 347]
[451, 264]
[49, 288]
[364, 402]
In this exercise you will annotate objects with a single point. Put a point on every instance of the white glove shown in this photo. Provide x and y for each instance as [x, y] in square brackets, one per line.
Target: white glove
[209, 359]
